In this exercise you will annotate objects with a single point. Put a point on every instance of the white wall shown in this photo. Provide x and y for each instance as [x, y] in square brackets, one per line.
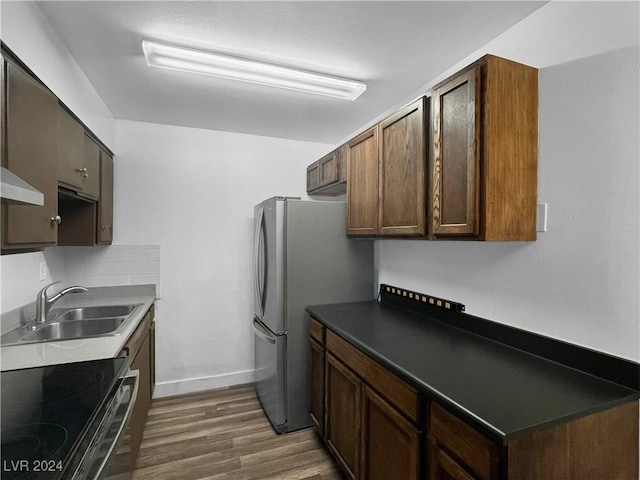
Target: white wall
[580, 280]
[192, 191]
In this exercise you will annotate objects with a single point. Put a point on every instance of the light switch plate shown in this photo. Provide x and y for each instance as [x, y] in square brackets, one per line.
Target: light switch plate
[541, 217]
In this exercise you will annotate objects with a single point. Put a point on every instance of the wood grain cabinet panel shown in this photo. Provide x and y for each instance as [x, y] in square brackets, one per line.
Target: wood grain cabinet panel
[402, 169]
[313, 176]
[343, 393]
[316, 385]
[362, 184]
[390, 443]
[450, 438]
[456, 136]
[484, 161]
[29, 151]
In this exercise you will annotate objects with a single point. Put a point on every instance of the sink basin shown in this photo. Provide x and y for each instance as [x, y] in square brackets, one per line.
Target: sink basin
[82, 313]
[74, 329]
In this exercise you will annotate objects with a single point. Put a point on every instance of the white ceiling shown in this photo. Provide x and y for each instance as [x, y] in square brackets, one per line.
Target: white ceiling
[395, 47]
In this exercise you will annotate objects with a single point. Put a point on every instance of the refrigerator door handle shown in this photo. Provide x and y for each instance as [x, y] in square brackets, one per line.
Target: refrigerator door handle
[256, 261]
[260, 332]
[262, 266]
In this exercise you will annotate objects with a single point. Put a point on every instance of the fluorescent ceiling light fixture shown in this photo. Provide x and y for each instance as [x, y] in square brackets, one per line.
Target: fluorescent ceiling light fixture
[246, 70]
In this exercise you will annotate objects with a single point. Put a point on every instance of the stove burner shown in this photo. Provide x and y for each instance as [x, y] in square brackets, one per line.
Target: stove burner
[31, 443]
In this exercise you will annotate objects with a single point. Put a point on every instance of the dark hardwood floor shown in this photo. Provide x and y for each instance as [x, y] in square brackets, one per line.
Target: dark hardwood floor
[224, 434]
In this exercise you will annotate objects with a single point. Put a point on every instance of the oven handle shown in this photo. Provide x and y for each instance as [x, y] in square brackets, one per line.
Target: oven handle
[132, 375]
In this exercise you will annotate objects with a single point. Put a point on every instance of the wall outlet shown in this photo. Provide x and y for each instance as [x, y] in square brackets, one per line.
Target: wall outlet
[43, 271]
[541, 217]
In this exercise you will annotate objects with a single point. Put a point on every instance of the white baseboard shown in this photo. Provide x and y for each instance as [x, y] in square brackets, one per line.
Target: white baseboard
[192, 385]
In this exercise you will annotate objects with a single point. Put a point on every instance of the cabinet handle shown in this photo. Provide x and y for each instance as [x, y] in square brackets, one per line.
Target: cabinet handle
[84, 172]
[57, 219]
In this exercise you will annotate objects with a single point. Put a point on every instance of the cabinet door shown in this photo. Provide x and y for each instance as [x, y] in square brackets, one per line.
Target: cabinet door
[313, 176]
[105, 203]
[328, 167]
[343, 415]
[91, 178]
[402, 170]
[70, 150]
[316, 386]
[362, 184]
[456, 155]
[30, 153]
[390, 443]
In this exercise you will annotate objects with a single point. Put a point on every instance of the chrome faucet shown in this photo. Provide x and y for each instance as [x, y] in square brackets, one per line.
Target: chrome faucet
[44, 303]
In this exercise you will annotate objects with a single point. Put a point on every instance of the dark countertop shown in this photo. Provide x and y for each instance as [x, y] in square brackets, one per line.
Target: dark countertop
[503, 391]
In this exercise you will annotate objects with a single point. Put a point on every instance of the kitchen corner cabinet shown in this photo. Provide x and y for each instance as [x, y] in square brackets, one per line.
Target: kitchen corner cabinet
[328, 176]
[105, 202]
[141, 348]
[29, 150]
[484, 160]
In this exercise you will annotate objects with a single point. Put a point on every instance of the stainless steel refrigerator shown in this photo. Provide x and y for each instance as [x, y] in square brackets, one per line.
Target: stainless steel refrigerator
[301, 257]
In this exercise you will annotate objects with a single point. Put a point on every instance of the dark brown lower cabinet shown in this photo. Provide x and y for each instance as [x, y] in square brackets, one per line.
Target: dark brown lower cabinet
[390, 443]
[373, 428]
[316, 376]
[141, 346]
[343, 415]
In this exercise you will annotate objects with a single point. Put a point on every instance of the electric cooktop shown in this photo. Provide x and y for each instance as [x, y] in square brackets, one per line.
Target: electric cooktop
[46, 413]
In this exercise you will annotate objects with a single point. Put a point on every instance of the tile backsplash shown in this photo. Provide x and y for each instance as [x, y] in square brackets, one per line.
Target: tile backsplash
[23, 275]
[114, 265]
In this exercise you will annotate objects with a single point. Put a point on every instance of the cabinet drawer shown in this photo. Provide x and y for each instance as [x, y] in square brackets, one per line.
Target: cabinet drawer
[474, 450]
[399, 393]
[316, 330]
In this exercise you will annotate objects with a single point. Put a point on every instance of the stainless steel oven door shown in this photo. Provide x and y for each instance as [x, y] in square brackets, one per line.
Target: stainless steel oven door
[108, 456]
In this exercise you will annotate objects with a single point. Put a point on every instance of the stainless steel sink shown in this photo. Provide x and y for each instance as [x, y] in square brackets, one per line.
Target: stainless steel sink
[74, 329]
[73, 323]
[82, 313]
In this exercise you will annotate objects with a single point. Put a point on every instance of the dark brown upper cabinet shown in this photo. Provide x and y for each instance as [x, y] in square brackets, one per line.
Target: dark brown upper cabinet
[78, 157]
[402, 172]
[29, 151]
[328, 176]
[362, 183]
[105, 203]
[484, 161]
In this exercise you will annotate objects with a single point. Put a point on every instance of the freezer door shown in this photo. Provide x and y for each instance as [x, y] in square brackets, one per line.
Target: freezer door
[269, 263]
[271, 373]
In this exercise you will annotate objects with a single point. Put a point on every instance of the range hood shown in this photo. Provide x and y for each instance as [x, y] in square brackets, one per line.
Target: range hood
[15, 191]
